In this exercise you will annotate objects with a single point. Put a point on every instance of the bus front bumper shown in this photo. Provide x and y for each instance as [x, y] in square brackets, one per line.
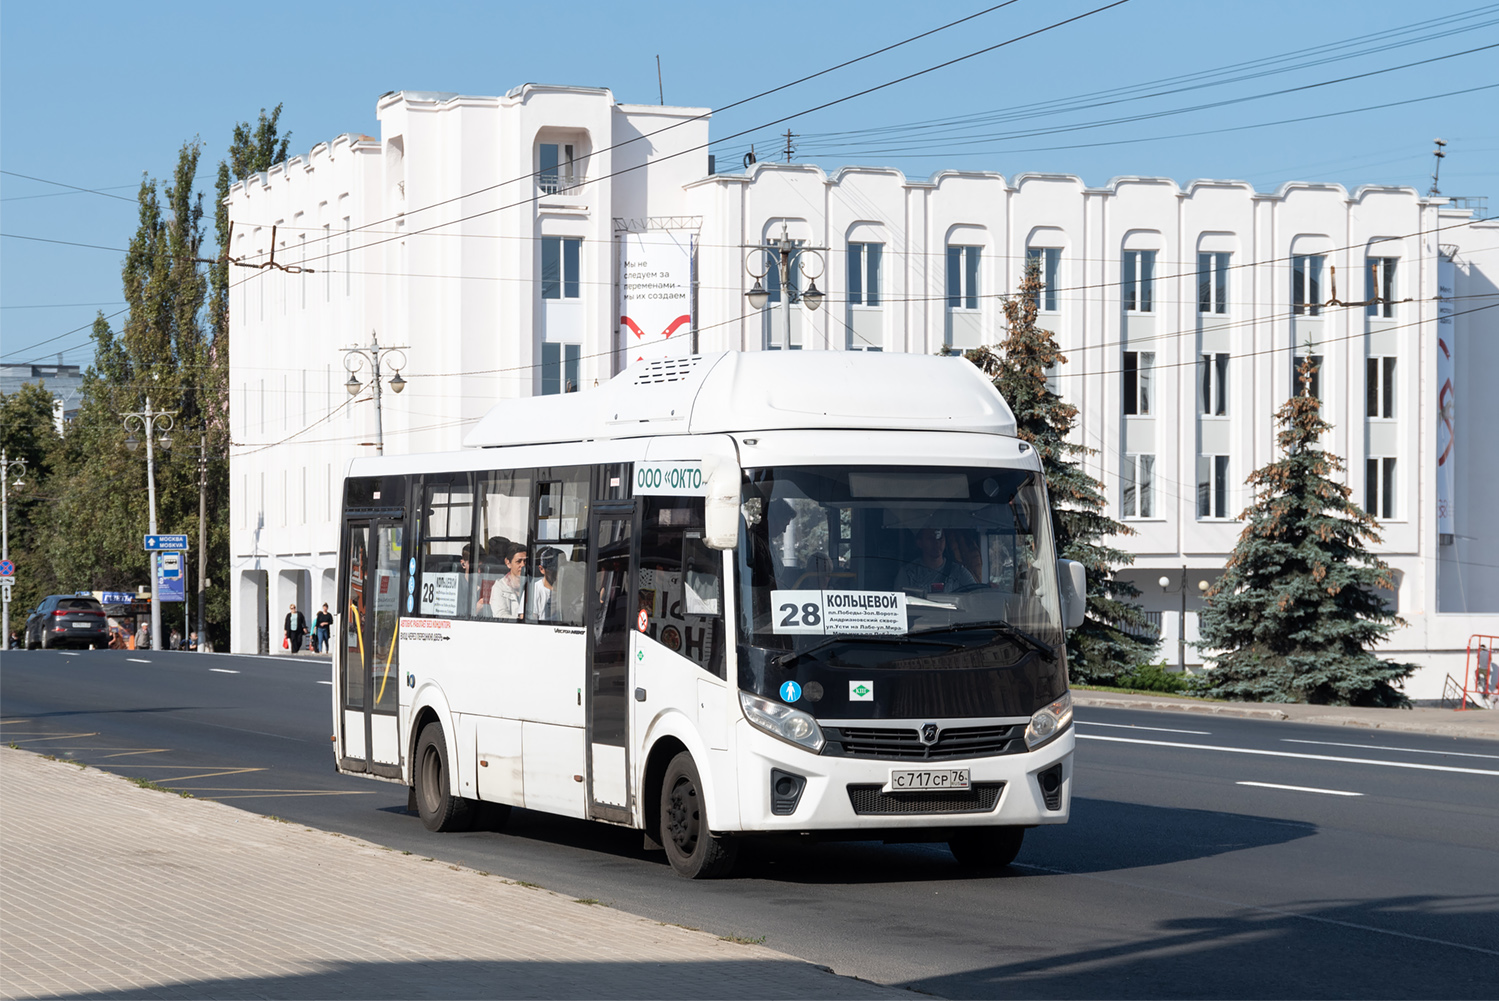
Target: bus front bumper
[849, 793]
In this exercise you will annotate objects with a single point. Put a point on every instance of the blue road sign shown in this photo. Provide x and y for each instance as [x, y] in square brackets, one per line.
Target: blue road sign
[169, 582]
[7, 568]
[166, 543]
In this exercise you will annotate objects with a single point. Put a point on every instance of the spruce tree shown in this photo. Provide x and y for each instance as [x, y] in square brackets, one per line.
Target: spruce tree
[1108, 644]
[1296, 612]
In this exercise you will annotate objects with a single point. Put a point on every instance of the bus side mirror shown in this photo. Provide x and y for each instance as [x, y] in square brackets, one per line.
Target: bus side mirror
[721, 511]
[1074, 592]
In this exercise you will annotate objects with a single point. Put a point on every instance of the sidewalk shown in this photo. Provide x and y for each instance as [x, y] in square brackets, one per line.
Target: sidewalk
[110, 890]
[1482, 724]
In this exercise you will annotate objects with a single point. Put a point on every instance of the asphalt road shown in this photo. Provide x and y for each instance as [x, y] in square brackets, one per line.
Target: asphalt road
[1189, 868]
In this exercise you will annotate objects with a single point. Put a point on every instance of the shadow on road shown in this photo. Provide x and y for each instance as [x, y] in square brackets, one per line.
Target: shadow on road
[1420, 947]
[1104, 836]
[517, 979]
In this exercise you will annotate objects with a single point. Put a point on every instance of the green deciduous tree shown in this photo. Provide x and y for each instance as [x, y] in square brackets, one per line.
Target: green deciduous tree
[1296, 612]
[1109, 643]
[28, 431]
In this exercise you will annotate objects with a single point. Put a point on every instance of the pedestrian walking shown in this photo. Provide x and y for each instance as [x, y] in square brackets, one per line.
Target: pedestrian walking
[322, 627]
[296, 629]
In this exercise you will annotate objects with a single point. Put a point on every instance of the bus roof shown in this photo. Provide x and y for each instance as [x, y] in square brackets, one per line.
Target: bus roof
[740, 391]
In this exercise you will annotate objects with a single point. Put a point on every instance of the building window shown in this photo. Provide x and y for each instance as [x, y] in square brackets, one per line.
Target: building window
[1138, 476]
[559, 267]
[1048, 261]
[1379, 387]
[1212, 486]
[1379, 283]
[864, 273]
[1138, 286]
[1306, 284]
[1212, 397]
[1314, 388]
[558, 168]
[1139, 375]
[963, 277]
[559, 368]
[1212, 283]
[1379, 486]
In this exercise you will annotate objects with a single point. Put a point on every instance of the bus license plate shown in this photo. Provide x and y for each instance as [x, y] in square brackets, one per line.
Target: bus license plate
[925, 779]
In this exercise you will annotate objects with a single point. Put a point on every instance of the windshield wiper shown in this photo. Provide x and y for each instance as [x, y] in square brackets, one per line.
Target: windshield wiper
[793, 655]
[1007, 628]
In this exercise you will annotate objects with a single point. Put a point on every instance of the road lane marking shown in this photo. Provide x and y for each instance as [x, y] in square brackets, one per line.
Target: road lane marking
[137, 660]
[1273, 785]
[222, 670]
[1292, 754]
[325, 682]
[67, 654]
[1277, 911]
[1156, 729]
[1380, 747]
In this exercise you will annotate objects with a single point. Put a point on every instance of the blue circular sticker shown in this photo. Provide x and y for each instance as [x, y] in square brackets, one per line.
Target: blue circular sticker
[791, 691]
[410, 585]
[409, 600]
[411, 566]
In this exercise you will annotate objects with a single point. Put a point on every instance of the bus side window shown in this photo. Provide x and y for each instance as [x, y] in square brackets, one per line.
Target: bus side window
[447, 513]
[503, 522]
[559, 554]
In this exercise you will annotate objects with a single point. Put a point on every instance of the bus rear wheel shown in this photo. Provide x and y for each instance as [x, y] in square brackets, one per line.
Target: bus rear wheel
[440, 810]
[690, 847]
[986, 847]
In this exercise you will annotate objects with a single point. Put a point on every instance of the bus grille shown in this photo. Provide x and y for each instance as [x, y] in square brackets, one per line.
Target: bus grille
[905, 742]
[868, 800]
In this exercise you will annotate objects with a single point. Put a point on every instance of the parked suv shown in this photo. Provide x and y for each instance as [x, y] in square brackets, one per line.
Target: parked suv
[67, 620]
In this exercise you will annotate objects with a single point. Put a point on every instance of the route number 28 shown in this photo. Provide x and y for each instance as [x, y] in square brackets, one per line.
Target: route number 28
[808, 615]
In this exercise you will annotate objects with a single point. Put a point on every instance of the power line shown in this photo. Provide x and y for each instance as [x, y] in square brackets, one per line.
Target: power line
[91, 191]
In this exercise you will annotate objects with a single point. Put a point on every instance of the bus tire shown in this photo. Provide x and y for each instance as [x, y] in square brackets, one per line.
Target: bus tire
[440, 810]
[691, 848]
[986, 847]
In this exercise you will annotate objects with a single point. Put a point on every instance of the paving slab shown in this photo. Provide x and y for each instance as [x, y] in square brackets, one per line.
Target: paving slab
[108, 889]
[1482, 724]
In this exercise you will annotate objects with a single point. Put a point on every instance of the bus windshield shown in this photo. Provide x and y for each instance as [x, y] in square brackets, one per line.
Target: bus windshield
[897, 568]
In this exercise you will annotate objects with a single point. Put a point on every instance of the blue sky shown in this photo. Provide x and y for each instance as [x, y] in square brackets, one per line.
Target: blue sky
[96, 94]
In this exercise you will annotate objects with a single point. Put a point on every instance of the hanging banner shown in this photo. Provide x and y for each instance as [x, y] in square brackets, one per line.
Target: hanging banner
[1446, 412]
[655, 294]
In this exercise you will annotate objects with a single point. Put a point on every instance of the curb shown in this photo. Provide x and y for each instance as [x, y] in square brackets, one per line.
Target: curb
[1178, 707]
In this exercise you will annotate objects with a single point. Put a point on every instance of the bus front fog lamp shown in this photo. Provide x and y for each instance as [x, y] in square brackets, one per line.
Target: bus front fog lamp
[1049, 721]
[790, 725]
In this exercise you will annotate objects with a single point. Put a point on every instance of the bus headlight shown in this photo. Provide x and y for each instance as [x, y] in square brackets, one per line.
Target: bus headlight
[1046, 723]
[778, 720]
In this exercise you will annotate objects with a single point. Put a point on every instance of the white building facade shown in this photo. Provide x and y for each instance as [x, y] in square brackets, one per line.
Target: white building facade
[486, 234]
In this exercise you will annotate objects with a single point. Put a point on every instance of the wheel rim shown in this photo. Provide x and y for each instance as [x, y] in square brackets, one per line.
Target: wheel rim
[431, 776]
[682, 817]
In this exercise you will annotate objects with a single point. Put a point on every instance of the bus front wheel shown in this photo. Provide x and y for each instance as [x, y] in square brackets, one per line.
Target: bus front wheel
[440, 810]
[690, 847]
[986, 847]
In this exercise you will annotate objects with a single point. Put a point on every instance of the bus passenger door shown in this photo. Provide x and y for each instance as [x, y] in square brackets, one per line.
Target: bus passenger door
[369, 663]
[610, 617]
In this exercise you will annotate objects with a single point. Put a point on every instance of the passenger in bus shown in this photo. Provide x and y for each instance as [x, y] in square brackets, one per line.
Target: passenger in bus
[963, 548]
[507, 600]
[932, 572]
[767, 565]
[548, 603]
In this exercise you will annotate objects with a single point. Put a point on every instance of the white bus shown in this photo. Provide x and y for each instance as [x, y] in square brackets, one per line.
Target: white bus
[719, 596]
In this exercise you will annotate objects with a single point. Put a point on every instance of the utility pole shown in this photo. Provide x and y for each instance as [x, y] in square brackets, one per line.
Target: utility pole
[789, 147]
[1436, 170]
[202, 539]
[149, 421]
[6, 462]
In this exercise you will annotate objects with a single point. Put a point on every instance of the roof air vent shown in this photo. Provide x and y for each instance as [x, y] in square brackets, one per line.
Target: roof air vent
[666, 370]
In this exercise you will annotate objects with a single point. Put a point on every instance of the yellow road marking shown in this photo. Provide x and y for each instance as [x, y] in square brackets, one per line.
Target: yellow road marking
[35, 735]
[200, 775]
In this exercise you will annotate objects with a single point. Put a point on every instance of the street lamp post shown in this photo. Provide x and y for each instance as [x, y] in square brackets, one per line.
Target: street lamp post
[148, 422]
[6, 464]
[781, 256]
[354, 360]
[1181, 622]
